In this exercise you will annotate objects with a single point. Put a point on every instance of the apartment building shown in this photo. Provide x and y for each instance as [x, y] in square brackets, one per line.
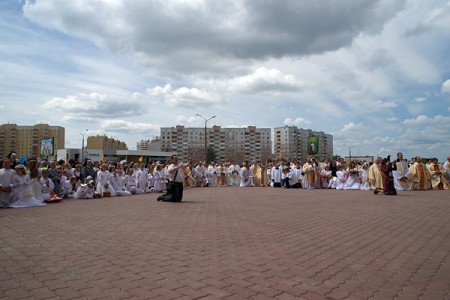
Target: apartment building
[30, 140]
[104, 143]
[229, 144]
[294, 143]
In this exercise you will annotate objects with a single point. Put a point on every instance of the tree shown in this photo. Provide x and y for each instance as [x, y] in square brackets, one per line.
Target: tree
[210, 155]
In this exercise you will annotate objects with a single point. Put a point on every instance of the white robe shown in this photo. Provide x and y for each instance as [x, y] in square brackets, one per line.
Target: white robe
[118, 184]
[6, 180]
[364, 183]
[341, 179]
[402, 172]
[246, 177]
[23, 195]
[352, 182]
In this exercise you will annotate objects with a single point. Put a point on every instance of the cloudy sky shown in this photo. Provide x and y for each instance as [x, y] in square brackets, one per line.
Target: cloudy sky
[375, 74]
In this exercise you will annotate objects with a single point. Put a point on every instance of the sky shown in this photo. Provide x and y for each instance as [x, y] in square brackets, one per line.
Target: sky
[374, 74]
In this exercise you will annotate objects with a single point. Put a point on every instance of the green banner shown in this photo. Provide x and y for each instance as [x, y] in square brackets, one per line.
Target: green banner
[313, 145]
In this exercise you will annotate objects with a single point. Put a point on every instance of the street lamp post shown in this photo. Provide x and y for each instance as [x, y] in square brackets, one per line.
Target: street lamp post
[349, 152]
[206, 121]
[82, 145]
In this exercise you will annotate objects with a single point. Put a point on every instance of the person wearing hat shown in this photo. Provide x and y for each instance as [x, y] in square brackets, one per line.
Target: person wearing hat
[6, 183]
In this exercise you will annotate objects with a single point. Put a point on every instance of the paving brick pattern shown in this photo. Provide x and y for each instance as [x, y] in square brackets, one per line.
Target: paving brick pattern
[230, 243]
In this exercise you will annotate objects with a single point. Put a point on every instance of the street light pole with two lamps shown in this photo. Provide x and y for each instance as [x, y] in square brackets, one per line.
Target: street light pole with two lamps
[82, 145]
[206, 121]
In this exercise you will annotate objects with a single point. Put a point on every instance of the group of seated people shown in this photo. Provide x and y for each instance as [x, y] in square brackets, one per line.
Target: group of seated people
[35, 183]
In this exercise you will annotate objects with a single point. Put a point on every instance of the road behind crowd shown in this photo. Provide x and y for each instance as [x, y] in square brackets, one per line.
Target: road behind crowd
[232, 243]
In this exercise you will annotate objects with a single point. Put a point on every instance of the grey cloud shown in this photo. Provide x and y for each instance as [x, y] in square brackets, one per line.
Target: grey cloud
[213, 35]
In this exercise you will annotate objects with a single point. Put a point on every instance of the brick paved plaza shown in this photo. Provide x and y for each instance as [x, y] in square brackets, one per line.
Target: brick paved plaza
[231, 243]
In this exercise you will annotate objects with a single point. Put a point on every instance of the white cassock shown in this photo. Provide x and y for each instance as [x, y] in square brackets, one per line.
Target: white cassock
[6, 180]
[401, 181]
[341, 179]
[118, 184]
[246, 177]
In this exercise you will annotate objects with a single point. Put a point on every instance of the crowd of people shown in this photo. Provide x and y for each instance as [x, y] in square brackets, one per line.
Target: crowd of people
[37, 182]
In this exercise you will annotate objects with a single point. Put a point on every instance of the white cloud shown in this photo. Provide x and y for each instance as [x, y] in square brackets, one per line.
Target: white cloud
[446, 86]
[183, 120]
[184, 97]
[425, 120]
[265, 80]
[420, 99]
[352, 127]
[297, 122]
[94, 105]
[122, 126]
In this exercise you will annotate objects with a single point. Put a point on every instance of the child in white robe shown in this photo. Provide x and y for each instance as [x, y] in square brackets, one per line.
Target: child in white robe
[118, 183]
[142, 180]
[160, 180]
[352, 182]
[363, 178]
[85, 190]
[103, 182]
[47, 187]
[130, 182]
[341, 176]
[22, 195]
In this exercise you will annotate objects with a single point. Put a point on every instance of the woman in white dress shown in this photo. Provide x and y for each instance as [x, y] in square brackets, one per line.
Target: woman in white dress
[352, 182]
[22, 195]
[363, 178]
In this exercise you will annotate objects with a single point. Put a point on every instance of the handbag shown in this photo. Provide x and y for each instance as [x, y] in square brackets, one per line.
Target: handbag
[171, 184]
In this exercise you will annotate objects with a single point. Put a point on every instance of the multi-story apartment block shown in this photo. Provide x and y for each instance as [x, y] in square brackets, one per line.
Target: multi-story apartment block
[229, 144]
[26, 140]
[149, 145]
[292, 143]
[105, 143]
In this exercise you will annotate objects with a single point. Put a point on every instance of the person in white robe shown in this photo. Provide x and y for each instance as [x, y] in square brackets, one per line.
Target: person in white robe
[246, 176]
[85, 190]
[69, 187]
[130, 182]
[160, 179]
[118, 182]
[233, 174]
[325, 176]
[213, 176]
[103, 182]
[353, 181]
[142, 179]
[22, 194]
[276, 174]
[401, 180]
[341, 176]
[151, 176]
[202, 176]
[363, 178]
[47, 187]
[6, 183]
